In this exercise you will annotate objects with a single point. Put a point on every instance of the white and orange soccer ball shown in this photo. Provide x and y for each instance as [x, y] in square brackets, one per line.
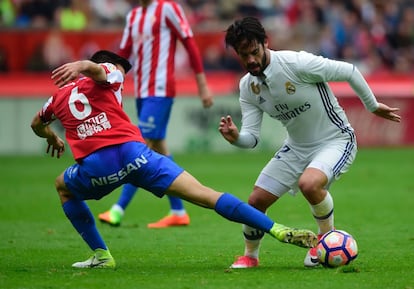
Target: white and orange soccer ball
[336, 248]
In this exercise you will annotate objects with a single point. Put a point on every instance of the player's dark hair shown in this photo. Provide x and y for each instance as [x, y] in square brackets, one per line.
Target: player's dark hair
[244, 32]
[103, 56]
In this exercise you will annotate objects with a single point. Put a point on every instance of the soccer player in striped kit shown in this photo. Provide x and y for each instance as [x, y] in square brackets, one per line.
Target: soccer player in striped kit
[291, 87]
[149, 40]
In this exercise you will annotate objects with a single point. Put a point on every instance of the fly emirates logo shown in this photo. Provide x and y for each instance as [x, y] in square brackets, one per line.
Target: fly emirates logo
[121, 174]
[285, 114]
[93, 125]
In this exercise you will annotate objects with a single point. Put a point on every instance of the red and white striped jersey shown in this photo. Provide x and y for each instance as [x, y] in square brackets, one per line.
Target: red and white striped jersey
[149, 41]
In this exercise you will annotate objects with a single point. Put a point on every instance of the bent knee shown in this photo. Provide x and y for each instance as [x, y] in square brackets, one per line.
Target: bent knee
[312, 181]
[62, 190]
[308, 187]
[261, 199]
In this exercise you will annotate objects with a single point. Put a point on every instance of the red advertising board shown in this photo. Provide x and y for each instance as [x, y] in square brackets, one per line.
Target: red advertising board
[375, 131]
[372, 130]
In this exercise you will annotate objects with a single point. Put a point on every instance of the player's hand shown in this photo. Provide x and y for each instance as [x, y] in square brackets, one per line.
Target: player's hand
[228, 129]
[387, 112]
[206, 98]
[55, 146]
[203, 90]
[207, 101]
[66, 73]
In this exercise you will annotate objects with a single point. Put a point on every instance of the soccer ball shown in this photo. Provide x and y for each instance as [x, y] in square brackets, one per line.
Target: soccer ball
[336, 248]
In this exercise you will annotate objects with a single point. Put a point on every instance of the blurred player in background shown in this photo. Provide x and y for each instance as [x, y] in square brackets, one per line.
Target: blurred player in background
[150, 37]
[110, 151]
[291, 87]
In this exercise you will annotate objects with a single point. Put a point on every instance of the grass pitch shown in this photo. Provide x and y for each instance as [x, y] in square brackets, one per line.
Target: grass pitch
[374, 202]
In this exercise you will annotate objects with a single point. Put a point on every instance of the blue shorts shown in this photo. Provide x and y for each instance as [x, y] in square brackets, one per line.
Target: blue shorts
[153, 116]
[108, 168]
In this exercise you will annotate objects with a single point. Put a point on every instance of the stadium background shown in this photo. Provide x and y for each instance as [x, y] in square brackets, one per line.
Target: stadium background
[377, 36]
[373, 201]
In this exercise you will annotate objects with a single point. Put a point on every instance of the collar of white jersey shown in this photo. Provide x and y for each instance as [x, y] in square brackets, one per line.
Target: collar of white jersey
[267, 72]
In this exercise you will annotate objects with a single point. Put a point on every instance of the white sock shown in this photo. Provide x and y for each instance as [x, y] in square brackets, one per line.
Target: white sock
[323, 214]
[118, 208]
[252, 238]
[181, 212]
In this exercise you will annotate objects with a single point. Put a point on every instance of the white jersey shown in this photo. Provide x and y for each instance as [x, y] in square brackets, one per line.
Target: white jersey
[295, 92]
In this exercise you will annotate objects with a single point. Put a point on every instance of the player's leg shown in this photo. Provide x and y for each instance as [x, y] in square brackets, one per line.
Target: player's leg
[268, 189]
[178, 215]
[233, 209]
[154, 115]
[115, 214]
[162, 176]
[261, 200]
[327, 165]
[312, 184]
[79, 214]
[321, 205]
[266, 192]
[230, 207]
[77, 185]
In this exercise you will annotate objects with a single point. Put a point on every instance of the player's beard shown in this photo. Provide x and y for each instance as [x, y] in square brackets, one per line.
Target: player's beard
[251, 68]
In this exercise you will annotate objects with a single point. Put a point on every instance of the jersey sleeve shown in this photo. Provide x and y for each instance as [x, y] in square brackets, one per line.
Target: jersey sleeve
[194, 54]
[176, 20]
[115, 79]
[362, 89]
[114, 75]
[125, 47]
[314, 69]
[46, 114]
[252, 117]
[319, 69]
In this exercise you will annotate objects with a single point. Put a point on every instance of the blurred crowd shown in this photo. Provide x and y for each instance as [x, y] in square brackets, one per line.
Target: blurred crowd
[64, 14]
[376, 35]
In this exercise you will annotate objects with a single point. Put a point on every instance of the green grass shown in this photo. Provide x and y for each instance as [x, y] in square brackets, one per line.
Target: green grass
[374, 201]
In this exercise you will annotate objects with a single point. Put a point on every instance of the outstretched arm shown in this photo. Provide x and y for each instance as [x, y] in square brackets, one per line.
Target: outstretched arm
[55, 143]
[71, 71]
[360, 86]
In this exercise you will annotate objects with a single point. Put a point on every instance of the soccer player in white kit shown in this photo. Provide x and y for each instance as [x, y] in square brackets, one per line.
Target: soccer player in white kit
[292, 87]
